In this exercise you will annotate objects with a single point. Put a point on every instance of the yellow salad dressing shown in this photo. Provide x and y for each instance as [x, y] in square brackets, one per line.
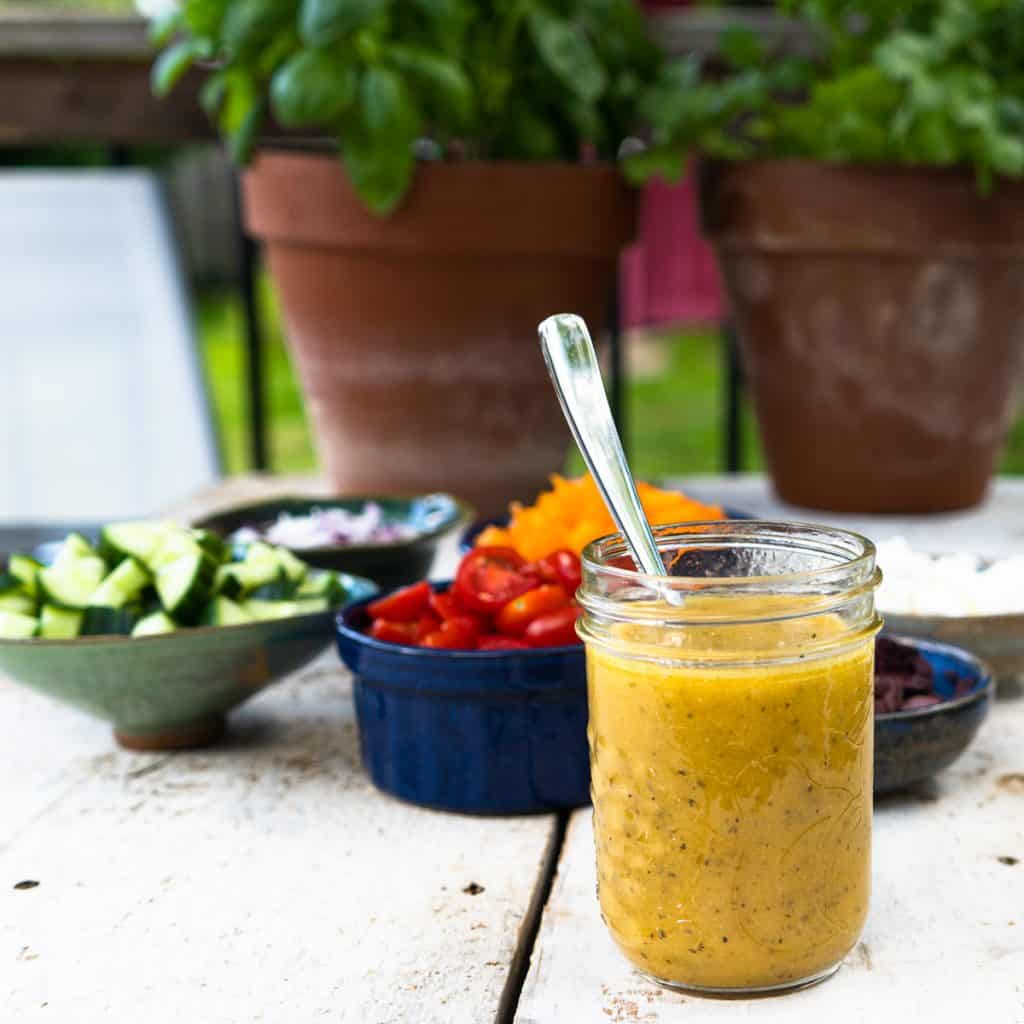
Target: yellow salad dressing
[732, 801]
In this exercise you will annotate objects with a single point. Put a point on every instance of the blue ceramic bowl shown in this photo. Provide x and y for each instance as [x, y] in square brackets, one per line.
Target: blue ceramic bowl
[911, 746]
[501, 732]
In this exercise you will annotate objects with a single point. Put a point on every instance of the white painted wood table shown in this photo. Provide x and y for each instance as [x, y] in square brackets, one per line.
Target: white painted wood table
[266, 880]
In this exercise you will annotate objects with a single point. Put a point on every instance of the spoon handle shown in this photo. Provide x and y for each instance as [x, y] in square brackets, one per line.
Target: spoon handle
[572, 363]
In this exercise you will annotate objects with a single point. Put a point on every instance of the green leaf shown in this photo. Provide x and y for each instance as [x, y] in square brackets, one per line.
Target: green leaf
[172, 64]
[204, 17]
[388, 109]
[211, 95]
[442, 79]
[164, 28]
[325, 21]
[313, 88]
[242, 140]
[668, 162]
[741, 46]
[249, 25]
[567, 52]
[380, 173]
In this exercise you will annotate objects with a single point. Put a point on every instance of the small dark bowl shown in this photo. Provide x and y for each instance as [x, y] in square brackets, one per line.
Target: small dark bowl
[389, 563]
[501, 732]
[911, 746]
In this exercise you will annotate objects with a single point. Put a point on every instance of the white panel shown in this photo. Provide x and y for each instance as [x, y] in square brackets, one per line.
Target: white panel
[105, 414]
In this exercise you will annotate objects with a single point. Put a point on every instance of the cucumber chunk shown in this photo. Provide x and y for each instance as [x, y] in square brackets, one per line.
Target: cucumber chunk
[71, 584]
[222, 611]
[265, 610]
[25, 569]
[122, 586]
[9, 583]
[184, 586]
[138, 540]
[308, 605]
[325, 584]
[216, 547]
[18, 601]
[294, 568]
[176, 544]
[154, 625]
[74, 549]
[98, 621]
[279, 589]
[226, 582]
[60, 623]
[17, 627]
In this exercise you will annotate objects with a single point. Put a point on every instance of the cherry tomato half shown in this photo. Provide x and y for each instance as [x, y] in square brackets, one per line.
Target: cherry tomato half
[447, 607]
[522, 610]
[555, 629]
[393, 632]
[566, 566]
[493, 642]
[426, 624]
[405, 605]
[453, 635]
[489, 577]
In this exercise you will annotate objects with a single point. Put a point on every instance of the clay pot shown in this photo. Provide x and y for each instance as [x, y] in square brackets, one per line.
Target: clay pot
[415, 335]
[881, 326]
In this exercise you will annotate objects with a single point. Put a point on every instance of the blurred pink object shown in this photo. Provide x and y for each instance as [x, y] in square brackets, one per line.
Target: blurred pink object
[669, 277]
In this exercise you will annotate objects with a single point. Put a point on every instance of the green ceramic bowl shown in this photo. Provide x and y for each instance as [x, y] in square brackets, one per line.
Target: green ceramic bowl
[172, 691]
[391, 564]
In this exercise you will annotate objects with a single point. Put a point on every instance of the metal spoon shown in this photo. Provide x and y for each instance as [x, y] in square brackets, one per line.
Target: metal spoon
[572, 363]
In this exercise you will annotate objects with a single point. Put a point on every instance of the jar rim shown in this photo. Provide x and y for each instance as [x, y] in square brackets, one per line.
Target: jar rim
[852, 554]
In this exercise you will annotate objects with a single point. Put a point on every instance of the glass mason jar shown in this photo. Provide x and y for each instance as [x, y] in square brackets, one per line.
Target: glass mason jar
[731, 729]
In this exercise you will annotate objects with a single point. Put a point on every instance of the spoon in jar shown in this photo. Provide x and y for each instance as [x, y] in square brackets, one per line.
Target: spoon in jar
[572, 363]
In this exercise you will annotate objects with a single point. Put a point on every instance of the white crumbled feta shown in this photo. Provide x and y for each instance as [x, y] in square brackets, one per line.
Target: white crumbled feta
[919, 583]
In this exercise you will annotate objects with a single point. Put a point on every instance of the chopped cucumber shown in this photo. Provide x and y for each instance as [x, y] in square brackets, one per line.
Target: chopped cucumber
[17, 627]
[122, 586]
[17, 601]
[71, 583]
[279, 589]
[216, 547]
[184, 586]
[23, 568]
[9, 583]
[138, 540]
[226, 582]
[308, 605]
[294, 568]
[264, 610]
[322, 584]
[60, 623]
[74, 549]
[154, 625]
[249, 576]
[174, 546]
[109, 621]
[222, 611]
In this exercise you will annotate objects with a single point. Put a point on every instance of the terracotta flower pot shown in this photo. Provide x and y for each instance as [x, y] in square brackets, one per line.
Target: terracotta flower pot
[881, 322]
[415, 335]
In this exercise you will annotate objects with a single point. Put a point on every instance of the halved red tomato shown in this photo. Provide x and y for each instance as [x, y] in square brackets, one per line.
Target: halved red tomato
[453, 635]
[393, 632]
[426, 624]
[522, 610]
[489, 577]
[403, 605]
[555, 629]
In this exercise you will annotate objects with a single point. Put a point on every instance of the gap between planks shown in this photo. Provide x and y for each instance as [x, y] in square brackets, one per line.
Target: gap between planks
[530, 926]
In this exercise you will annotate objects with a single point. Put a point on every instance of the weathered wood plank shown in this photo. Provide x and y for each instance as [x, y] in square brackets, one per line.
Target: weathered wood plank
[25, 32]
[263, 881]
[49, 101]
[944, 939]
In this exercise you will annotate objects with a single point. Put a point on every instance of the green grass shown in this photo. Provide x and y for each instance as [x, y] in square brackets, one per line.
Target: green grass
[674, 416]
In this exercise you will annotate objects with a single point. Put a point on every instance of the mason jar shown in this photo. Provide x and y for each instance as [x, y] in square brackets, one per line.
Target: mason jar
[731, 727]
